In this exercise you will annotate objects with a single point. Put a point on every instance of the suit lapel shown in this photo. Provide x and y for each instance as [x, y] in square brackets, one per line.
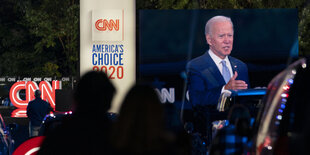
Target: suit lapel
[233, 65]
[212, 68]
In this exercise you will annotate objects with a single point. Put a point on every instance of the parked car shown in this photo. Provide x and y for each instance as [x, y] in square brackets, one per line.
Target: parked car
[284, 127]
[6, 141]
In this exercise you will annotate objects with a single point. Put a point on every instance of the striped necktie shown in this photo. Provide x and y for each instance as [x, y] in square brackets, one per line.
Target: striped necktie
[225, 71]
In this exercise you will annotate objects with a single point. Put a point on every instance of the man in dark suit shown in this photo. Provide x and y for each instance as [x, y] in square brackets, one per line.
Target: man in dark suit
[214, 72]
[37, 109]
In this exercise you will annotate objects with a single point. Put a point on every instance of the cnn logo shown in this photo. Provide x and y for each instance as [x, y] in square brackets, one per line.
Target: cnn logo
[108, 25]
[103, 25]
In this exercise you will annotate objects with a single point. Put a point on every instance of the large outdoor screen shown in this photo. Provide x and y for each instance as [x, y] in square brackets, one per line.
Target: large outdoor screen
[265, 39]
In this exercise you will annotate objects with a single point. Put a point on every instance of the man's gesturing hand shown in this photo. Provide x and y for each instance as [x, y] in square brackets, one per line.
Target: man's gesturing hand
[236, 84]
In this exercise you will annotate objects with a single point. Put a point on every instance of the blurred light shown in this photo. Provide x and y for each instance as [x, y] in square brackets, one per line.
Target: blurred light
[304, 65]
[289, 134]
[68, 112]
[282, 106]
[277, 123]
[294, 71]
[284, 95]
[221, 126]
[291, 81]
[267, 141]
[269, 147]
[279, 117]
[280, 110]
[286, 87]
[284, 100]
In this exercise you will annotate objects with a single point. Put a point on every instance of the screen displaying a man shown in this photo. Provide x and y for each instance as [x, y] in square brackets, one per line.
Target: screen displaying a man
[215, 71]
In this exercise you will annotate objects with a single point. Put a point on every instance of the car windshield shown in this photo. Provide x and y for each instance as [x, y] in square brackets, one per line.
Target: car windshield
[275, 103]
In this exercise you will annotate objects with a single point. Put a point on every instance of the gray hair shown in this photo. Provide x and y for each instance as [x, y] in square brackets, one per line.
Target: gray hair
[210, 23]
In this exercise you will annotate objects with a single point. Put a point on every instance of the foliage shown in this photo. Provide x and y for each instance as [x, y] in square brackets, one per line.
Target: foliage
[56, 24]
[39, 38]
[304, 32]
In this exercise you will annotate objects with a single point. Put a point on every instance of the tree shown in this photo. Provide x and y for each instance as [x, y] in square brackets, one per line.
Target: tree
[304, 31]
[56, 24]
[39, 38]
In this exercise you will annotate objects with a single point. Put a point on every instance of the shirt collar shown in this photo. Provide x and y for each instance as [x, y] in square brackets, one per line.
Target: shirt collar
[217, 59]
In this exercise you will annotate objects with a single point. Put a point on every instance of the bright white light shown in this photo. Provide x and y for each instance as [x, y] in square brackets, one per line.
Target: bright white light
[286, 87]
[284, 95]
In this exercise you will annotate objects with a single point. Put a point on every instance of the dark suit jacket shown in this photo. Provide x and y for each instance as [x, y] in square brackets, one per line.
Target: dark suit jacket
[37, 109]
[205, 81]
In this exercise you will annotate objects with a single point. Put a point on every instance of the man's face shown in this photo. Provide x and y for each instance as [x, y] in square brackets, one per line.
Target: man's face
[221, 40]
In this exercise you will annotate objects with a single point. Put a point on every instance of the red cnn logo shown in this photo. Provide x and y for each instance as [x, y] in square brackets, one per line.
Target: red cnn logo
[103, 25]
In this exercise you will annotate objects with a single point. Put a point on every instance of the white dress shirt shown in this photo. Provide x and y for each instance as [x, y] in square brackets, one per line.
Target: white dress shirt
[218, 61]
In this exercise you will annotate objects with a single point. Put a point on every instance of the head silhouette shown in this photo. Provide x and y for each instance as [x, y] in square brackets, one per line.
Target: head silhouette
[37, 93]
[141, 123]
[239, 115]
[93, 93]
